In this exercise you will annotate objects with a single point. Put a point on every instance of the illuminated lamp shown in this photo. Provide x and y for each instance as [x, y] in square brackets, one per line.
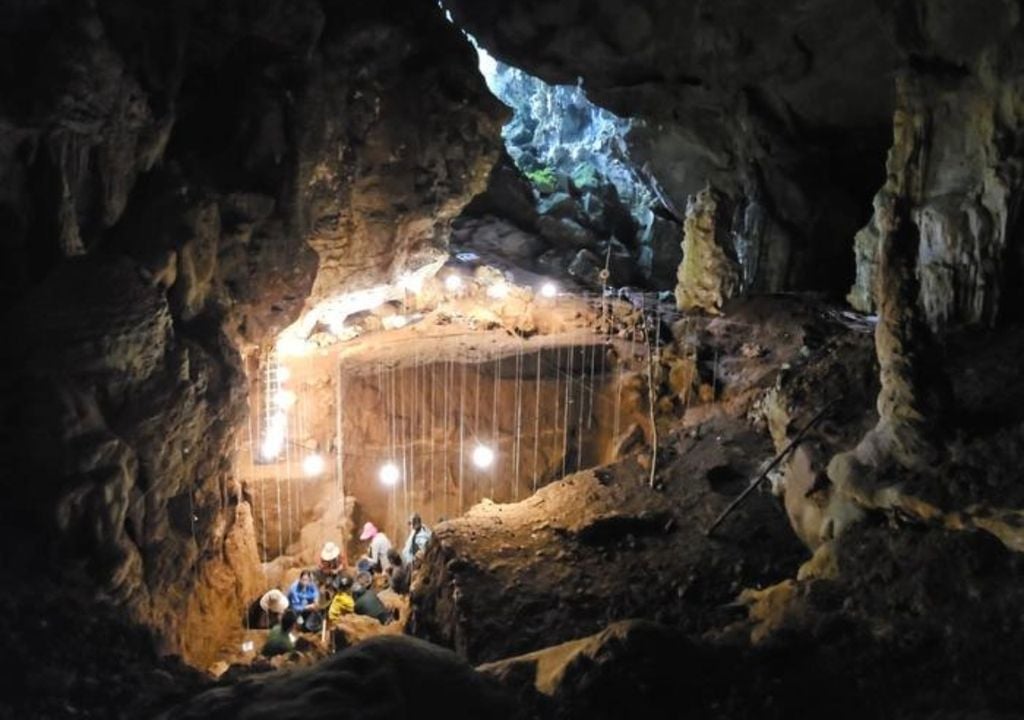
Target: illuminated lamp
[548, 290]
[498, 291]
[284, 399]
[389, 474]
[483, 456]
[313, 465]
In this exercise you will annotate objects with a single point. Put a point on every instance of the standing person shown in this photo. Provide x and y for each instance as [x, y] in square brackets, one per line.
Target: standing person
[304, 599]
[419, 535]
[399, 574]
[376, 558]
[279, 639]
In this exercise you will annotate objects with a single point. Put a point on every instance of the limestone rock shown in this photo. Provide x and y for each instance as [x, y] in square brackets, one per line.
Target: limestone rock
[708, 274]
[961, 206]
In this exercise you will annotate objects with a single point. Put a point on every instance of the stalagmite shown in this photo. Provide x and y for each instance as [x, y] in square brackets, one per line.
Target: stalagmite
[914, 394]
[709, 273]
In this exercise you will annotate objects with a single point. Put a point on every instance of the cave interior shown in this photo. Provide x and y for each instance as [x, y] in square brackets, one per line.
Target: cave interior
[691, 333]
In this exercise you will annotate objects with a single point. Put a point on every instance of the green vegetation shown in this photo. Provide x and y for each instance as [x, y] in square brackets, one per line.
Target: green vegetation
[544, 180]
[586, 176]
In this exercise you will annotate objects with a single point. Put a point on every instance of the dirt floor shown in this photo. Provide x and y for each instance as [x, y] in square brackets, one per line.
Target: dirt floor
[608, 544]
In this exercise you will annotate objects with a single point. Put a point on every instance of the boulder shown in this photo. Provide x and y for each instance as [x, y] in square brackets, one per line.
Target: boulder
[382, 677]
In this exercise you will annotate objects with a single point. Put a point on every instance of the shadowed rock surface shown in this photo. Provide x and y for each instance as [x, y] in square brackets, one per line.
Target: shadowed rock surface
[382, 677]
[178, 179]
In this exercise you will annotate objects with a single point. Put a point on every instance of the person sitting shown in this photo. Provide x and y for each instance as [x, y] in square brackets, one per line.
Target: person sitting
[304, 599]
[342, 603]
[367, 603]
[419, 536]
[399, 574]
[376, 558]
[279, 639]
[331, 566]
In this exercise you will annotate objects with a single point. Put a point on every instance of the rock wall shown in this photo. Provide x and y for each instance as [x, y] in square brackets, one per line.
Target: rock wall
[177, 179]
[962, 130]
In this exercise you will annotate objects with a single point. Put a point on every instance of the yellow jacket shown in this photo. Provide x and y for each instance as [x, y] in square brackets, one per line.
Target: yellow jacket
[342, 604]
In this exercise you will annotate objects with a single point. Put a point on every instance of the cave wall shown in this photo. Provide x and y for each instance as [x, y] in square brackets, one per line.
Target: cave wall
[177, 179]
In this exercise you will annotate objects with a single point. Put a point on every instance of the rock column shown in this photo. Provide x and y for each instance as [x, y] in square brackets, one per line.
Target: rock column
[709, 273]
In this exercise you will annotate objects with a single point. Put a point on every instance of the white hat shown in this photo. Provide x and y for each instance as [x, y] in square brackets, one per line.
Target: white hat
[330, 552]
[274, 601]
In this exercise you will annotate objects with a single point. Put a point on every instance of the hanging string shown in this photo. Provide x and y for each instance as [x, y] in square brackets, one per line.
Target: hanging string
[433, 433]
[568, 396]
[556, 435]
[583, 398]
[393, 457]
[406, 429]
[519, 417]
[340, 461]
[495, 434]
[462, 438]
[536, 419]
[415, 428]
[288, 477]
[300, 407]
[590, 399]
[280, 517]
[447, 411]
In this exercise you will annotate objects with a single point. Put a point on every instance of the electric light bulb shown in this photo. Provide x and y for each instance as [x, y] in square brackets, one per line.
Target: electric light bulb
[548, 290]
[453, 283]
[283, 374]
[498, 291]
[273, 441]
[394, 322]
[271, 447]
[389, 473]
[284, 399]
[313, 465]
[483, 456]
[410, 283]
[291, 346]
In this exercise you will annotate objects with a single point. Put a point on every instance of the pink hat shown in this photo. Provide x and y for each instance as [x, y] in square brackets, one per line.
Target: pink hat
[369, 530]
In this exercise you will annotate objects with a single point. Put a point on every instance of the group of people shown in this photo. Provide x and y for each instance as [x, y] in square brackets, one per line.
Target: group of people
[381, 566]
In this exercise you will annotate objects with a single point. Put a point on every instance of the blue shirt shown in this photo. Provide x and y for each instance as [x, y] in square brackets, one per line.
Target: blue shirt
[300, 596]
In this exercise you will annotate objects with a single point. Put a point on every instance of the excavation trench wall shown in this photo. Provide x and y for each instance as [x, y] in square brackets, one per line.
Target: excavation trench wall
[543, 411]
